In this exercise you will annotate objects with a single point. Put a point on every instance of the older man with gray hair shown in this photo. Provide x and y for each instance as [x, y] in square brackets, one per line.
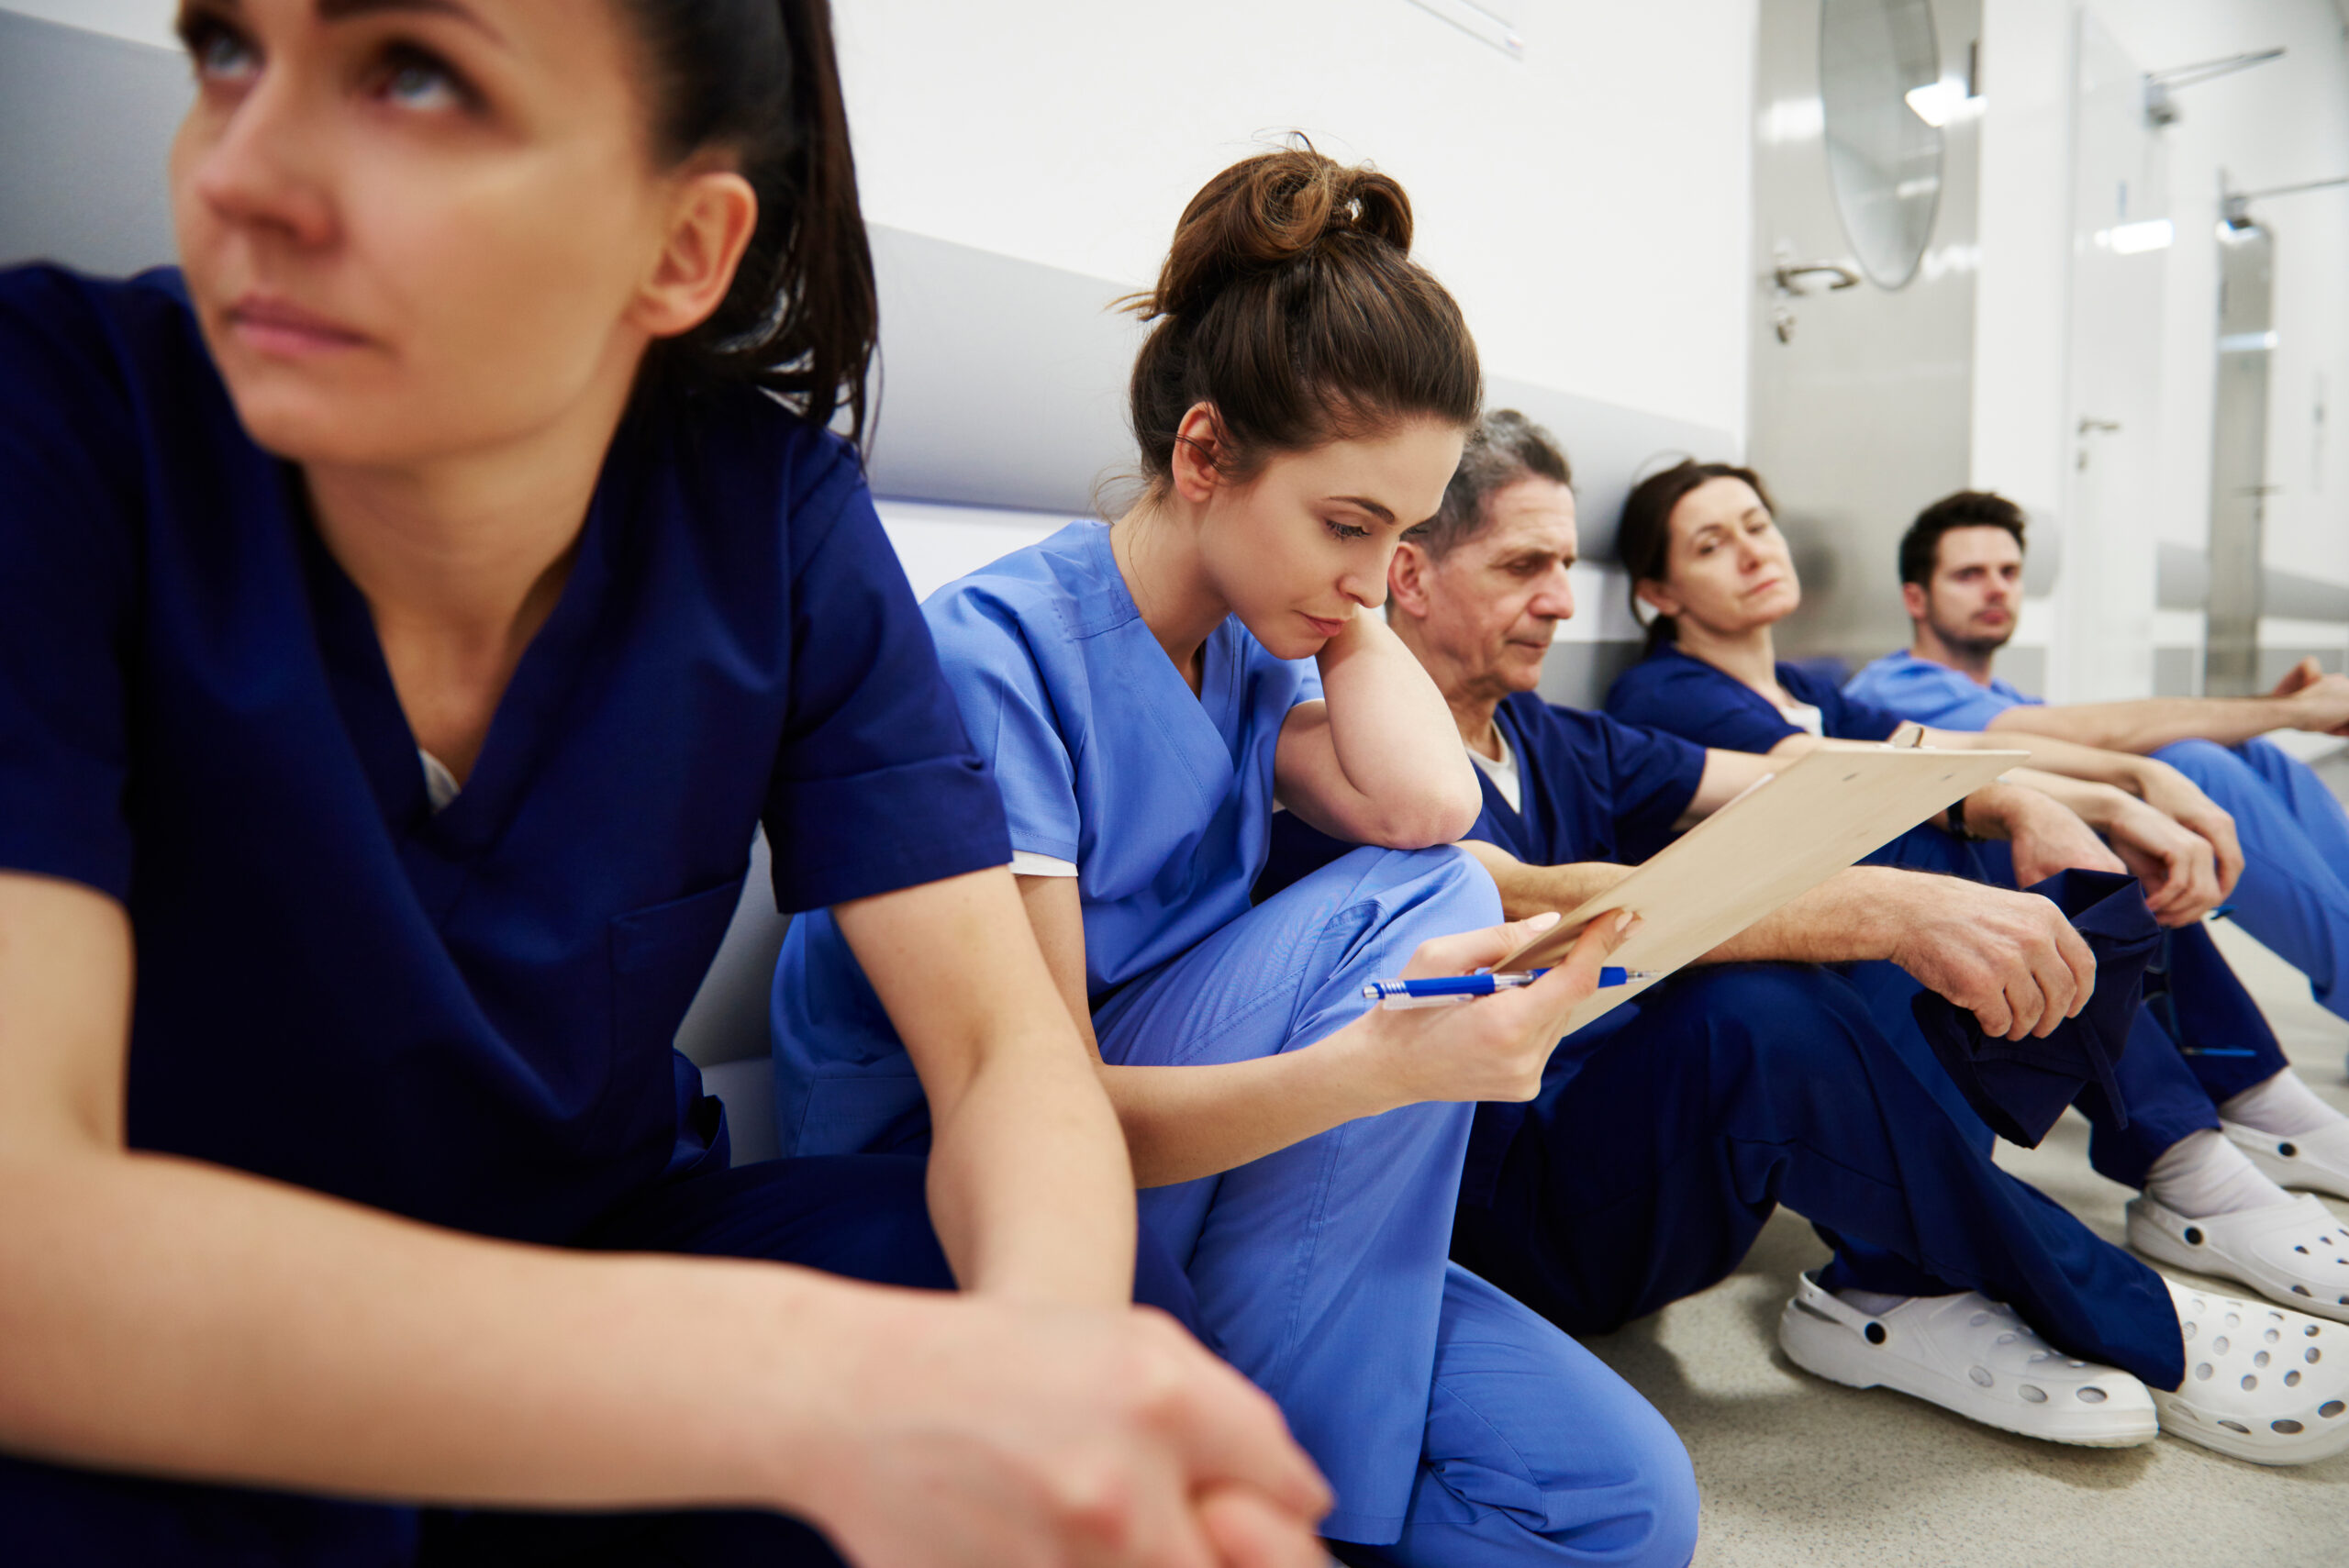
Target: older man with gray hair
[1667, 1131]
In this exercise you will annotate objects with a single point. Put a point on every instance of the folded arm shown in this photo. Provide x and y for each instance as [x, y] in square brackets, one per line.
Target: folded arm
[1379, 761]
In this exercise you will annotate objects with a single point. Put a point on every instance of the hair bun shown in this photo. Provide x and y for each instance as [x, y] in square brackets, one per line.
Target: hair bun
[1266, 212]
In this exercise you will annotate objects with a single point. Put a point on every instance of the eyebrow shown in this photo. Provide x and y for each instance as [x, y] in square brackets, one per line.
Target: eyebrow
[1367, 505]
[344, 10]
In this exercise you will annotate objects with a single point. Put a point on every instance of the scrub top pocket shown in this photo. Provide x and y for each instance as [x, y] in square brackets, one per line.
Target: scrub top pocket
[660, 955]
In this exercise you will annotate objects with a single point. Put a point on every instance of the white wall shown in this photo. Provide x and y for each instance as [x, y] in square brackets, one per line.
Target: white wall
[2272, 124]
[1587, 205]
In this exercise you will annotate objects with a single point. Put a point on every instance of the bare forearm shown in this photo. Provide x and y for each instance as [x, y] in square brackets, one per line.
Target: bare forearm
[2070, 759]
[1842, 920]
[2095, 803]
[1528, 890]
[170, 1316]
[1392, 735]
[1182, 1123]
[1031, 1188]
[2149, 724]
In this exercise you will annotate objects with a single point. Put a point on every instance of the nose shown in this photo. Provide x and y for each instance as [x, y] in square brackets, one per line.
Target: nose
[1366, 589]
[1555, 600]
[261, 168]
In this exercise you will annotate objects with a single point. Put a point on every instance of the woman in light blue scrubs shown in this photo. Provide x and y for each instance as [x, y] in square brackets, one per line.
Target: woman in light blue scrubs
[1151, 691]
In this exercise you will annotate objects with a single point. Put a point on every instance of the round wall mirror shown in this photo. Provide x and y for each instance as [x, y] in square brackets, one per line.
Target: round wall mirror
[1879, 66]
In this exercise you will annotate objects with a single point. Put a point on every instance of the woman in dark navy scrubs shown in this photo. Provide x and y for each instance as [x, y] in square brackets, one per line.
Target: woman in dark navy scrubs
[407, 617]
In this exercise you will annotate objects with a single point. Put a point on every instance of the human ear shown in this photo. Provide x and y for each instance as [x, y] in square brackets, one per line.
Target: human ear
[1407, 585]
[710, 226]
[1912, 599]
[1198, 450]
[1656, 596]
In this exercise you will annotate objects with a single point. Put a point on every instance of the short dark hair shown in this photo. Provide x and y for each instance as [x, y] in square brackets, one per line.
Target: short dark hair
[1920, 547]
[1643, 539]
[1504, 448]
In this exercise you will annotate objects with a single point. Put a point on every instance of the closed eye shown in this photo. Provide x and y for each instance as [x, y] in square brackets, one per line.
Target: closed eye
[1346, 531]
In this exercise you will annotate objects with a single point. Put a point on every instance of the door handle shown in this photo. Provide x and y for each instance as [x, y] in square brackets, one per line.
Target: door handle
[1790, 275]
[2090, 426]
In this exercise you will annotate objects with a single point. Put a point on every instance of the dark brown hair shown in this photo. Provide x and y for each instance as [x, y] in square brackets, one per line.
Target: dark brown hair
[1290, 304]
[757, 78]
[1920, 547]
[1504, 448]
[1643, 541]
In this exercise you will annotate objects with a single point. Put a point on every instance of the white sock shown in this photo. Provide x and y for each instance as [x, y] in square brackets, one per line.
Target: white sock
[2283, 1105]
[2202, 1174]
[1874, 1303]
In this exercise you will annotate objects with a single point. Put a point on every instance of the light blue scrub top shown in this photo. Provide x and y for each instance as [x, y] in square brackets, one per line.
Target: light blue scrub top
[1932, 694]
[1162, 799]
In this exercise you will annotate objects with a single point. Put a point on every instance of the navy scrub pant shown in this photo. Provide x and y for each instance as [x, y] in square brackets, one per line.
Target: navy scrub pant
[1655, 1152]
[860, 1215]
[2198, 1041]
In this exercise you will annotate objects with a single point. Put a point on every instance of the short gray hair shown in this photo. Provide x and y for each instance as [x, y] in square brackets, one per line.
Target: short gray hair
[1504, 448]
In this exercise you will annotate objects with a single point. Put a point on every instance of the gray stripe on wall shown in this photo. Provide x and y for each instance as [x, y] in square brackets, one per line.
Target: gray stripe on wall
[2182, 578]
[2178, 671]
[1576, 674]
[2290, 596]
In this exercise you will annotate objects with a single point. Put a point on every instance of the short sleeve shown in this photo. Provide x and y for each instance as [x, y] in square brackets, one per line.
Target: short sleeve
[1677, 694]
[1928, 693]
[877, 786]
[993, 671]
[68, 586]
[1654, 777]
[1844, 717]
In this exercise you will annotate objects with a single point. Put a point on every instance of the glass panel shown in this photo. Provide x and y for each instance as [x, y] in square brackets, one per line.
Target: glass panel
[1879, 67]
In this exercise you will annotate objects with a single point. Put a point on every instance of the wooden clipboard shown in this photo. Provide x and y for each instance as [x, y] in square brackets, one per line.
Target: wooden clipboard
[1790, 832]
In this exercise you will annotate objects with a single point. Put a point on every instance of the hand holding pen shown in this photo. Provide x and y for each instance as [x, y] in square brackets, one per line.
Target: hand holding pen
[1495, 1049]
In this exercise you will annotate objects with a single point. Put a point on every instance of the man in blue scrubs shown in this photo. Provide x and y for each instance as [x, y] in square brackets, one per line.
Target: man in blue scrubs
[1961, 581]
[1666, 1132]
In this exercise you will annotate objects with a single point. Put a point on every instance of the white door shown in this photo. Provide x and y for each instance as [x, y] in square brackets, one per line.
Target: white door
[1865, 172]
[2103, 647]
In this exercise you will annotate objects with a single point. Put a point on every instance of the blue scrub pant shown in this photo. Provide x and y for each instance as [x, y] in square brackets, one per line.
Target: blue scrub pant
[2198, 1041]
[2294, 892]
[860, 1215]
[1456, 1427]
[1653, 1155]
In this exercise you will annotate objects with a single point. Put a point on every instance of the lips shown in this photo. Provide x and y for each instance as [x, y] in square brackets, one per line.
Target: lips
[280, 326]
[1325, 628]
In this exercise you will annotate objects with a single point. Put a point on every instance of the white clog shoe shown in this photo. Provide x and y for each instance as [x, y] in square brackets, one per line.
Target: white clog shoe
[2316, 1162]
[2262, 1383]
[2295, 1253]
[1971, 1355]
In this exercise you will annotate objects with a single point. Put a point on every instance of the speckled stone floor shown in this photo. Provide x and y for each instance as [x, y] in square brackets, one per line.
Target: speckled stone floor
[1800, 1472]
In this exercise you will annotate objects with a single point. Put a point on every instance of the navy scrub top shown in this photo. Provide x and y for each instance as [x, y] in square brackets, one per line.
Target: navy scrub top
[465, 1017]
[1683, 696]
[1589, 789]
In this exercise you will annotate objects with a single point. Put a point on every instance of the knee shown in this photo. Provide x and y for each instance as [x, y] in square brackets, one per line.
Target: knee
[2205, 761]
[1434, 893]
[1654, 1524]
[1672, 1501]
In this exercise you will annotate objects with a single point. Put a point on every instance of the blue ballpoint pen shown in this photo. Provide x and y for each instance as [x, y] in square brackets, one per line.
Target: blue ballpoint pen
[1468, 988]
